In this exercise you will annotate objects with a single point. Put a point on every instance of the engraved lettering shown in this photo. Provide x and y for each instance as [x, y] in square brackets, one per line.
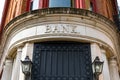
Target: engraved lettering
[73, 29]
[48, 29]
[61, 28]
[65, 29]
[56, 29]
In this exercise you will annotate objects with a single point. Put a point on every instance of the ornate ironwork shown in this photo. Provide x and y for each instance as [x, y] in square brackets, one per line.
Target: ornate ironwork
[62, 61]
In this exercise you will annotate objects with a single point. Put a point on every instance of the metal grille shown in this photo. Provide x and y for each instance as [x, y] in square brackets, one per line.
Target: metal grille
[62, 61]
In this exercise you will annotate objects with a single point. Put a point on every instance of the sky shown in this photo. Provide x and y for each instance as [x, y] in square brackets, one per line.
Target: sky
[118, 2]
[2, 5]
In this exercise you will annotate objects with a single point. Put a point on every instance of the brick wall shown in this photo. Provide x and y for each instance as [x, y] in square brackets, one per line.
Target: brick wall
[17, 7]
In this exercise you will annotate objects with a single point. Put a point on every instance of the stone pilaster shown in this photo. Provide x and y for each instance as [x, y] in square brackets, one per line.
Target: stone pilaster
[30, 47]
[7, 71]
[17, 64]
[114, 74]
[27, 51]
[95, 51]
[105, 72]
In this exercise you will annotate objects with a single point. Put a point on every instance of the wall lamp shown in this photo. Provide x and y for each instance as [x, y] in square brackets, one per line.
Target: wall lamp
[97, 67]
[26, 67]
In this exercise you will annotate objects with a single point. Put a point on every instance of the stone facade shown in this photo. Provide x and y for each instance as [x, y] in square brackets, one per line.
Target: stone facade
[21, 30]
[21, 33]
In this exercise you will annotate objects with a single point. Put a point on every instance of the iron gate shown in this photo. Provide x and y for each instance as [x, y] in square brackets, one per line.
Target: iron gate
[62, 61]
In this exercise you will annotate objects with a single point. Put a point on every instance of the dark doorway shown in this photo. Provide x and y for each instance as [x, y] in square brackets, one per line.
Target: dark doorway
[62, 61]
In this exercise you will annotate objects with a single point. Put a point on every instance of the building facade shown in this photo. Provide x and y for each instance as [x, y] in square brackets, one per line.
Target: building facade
[61, 37]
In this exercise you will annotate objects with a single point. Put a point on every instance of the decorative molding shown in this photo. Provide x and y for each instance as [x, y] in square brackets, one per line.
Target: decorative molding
[48, 11]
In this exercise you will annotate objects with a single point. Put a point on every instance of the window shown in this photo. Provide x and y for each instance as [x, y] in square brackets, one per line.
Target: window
[59, 3]
[34, 4]
[31, 5]
[91, 6]
[81, 4]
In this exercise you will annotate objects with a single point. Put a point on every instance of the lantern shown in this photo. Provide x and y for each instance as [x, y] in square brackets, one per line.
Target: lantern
[26, 66]
[97, 67]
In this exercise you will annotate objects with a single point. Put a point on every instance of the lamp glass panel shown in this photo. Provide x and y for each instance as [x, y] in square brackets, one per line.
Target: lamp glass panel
[97, 68]
[26, 67]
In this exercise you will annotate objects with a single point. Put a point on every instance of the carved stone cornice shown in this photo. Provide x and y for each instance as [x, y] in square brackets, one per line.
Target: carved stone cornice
[48, 11]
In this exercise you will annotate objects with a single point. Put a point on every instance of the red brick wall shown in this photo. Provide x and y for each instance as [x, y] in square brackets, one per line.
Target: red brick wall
[17, 7]
[105, 7]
